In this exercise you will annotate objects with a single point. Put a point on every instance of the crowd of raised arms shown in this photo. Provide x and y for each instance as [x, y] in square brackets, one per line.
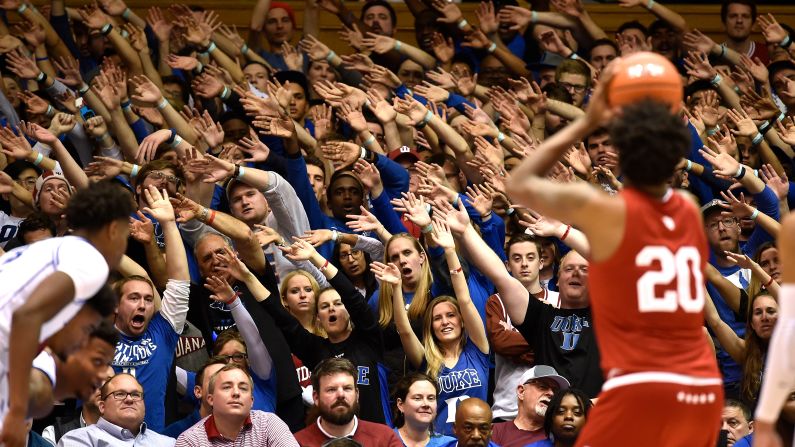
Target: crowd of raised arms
[317, 239]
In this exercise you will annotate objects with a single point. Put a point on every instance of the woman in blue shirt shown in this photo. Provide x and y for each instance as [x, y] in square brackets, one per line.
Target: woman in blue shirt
[458, 359]
[415, 397]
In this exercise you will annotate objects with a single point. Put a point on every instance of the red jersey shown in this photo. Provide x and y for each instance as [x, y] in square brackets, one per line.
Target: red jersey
[647, 299]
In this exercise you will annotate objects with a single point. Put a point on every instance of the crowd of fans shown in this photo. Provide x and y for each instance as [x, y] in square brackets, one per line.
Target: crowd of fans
[302, 258]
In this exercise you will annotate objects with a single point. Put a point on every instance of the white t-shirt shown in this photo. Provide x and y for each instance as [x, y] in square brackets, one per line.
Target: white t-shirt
[9, 225]
[21, 271]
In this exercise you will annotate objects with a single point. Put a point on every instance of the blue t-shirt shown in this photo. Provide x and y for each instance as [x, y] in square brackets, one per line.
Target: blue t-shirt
[469, 378]
[542, 443]
[746, 441]
[149, 359]
[435, 441]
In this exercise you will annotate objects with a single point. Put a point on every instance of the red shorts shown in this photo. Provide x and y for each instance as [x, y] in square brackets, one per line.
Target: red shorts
[635, 410]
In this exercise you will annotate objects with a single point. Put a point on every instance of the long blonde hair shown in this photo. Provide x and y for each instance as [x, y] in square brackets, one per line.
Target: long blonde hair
[315, 329]
[422, 293]
[434, 355]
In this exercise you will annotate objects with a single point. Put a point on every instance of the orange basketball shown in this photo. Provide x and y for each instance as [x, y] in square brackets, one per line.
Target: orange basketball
[645, 75]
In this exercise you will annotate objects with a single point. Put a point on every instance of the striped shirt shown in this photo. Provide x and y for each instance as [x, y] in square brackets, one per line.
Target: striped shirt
[261, 429]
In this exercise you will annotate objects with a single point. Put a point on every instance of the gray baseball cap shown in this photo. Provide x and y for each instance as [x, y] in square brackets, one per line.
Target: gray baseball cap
[543, 371]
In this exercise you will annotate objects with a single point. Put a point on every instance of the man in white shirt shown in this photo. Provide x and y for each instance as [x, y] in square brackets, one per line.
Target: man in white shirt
[45, 287]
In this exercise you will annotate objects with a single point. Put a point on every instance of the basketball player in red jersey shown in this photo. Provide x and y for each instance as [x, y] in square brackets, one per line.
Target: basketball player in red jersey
[648, 251]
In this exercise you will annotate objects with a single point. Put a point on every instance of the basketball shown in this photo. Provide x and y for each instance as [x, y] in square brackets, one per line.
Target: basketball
[645, 75]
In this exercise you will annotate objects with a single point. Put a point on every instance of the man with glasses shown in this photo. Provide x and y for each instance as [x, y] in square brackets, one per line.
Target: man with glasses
[533, 392]
[575, 77]
[122, 423]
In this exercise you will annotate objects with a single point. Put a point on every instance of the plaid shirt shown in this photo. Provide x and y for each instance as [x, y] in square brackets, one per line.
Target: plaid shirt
[260, 429]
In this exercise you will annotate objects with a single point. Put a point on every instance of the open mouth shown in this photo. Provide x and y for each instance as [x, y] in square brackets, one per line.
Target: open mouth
[332, 319]
[405, 271]
[137, 321]
[447, 330]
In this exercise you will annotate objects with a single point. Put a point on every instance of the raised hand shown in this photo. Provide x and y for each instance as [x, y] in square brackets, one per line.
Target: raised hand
[231, 264]
[209, 131]
[441, 234]
[725, 165]
[745, 126]
[380, 107]
[443, 47]
[105, 167]
[353, 37]
[411, 108]
[363, 222]
[222, 292]
[358, 61]
[353, 116]
[542, 226]
[378, 43]
[698, 66]
[160, 26]
[182, 62]
[369, 175]
[159, 205]
[740, 259]
[95, 126]
[786, 130]
[386, 273]
[278, 127]
[450, 12]
[33, 33]
[734, 206]
[93, 17]
[518, 18]
[432, 92]
[456, 220]
[257, 150]
[778, 183]
[38, 133]
[14, 145]
[22, 65]
[266, 235]
[145, 91]
[487, 19]
[774, 33]
[315, 49]
[148, 146]
[481, 199]
[292, 57]
[755, 66]
[300, 250]
[185, 208]
[142, 229]
[414, 208]
[341, 153]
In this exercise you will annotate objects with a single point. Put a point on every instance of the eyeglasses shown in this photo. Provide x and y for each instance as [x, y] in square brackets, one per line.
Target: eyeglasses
[350, 255]
[237, 357]
[728, 222]
[27, 181]
[135, 396]
[162, 176]
[572, 87]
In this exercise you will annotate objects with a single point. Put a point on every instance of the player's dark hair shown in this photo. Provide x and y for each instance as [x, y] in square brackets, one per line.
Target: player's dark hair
[98, 205]
[744, 409]
[650, 141]
[554, 404]
[634, 24]
[104, 302]
[724, 8]
[106, 332]
[401, 391]
[330, 366]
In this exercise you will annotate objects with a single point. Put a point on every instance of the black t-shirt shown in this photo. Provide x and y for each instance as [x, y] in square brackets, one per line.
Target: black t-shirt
[564, 339]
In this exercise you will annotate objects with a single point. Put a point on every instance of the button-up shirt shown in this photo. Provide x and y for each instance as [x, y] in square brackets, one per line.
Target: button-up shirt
[105, 433]
[261, 429]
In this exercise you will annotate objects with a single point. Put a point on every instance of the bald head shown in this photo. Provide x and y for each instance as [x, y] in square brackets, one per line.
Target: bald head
[473, 423]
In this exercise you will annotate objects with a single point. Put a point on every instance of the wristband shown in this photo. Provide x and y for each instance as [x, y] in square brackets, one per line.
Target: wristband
[369, 141]
[134, 171]
[425, 120]
[689, 166]
[786, 42]
[457, 271]
[363, 154]
[235, 170]
[83, 89]
[716, 80]
[492, 47]
[565, 233]
[427, 229]
[533, 16]
[106, 29]
[226, 93]
[330, 56]
[199, 68]
[764, 127]
[755, 214]
[203, 214]
[722, 51]
[41, 76]
[41, 59]
[232, 299]
[39, 159]
[126, 13]
[173, 135]
[22, 8]
[241, 173]
[500, 137]
[486, 217]
[740, 172]
[781, 117]
[126, 105]
[573, 56]
[244, 49]
[456, 201]
[162, 104]
[324, 266]
[335, 235]
[209, 48]
[768, 283]
[713, 131]
[102, 137]
[510, 211]
[212, 217]
[124, 33]
[177, 141]
[50, 111]
[757, 139]
[462, 24]
[650, 4]
[398, 44]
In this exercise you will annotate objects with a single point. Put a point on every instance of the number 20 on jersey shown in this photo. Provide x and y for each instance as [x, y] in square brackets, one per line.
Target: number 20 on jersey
[679, 275]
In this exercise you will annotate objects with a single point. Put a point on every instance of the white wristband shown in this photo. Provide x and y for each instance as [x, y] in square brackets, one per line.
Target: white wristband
[162, 104]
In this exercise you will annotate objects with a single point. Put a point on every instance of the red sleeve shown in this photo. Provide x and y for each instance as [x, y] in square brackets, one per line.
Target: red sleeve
[507, 343]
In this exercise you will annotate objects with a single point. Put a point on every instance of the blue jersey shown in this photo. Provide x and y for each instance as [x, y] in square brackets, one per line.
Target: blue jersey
[435, 441]
[149, 359]
[469, 378]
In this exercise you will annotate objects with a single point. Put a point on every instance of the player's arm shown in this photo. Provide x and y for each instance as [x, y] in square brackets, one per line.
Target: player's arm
[730, 342]
[51, 295]
[779, 380]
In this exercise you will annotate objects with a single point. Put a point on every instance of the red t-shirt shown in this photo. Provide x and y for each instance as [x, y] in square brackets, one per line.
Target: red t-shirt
[507, 434]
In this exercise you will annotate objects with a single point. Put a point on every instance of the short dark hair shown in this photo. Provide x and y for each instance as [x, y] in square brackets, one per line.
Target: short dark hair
[601, 43]
[746, 411]
[98, 205]
[106, 332]
[633, 24]
[558, 93]
[214, 360]
[724, 8]
[294, 77]
[103, 392]
[104, 302]
[596, 133]
[370, 4]
[401, 391]
[157, 165]
[557, 400]
[35, 222]
[650, 141]
[225, 337]
[574, 67]
[518, 239]
[315, 161]
[15, 169]
[331, 366]
[185, 93]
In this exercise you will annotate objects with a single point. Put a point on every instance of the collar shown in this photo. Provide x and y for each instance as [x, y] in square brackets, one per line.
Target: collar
[212, 430]
[330, 436]
[118, 432]
[82, 420]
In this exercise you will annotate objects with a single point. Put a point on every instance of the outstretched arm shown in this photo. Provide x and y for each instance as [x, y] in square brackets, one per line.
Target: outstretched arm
[389, 276]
